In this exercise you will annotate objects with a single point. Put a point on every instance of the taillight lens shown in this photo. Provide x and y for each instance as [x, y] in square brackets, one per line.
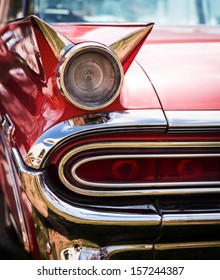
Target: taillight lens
[124, 169]
[146, 170]
[116, 170]
[190, 168]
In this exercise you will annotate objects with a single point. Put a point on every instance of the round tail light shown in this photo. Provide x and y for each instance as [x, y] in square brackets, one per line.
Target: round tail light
[124, 169]
[189, 168]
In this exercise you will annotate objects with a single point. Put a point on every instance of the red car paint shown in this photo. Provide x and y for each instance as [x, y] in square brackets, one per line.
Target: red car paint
[177, 61]
[190, 56]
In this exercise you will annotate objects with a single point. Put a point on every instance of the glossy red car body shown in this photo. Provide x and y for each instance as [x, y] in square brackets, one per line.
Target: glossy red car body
[169, 104]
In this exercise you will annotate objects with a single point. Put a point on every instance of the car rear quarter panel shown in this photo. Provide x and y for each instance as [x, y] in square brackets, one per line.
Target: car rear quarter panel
[31, 96]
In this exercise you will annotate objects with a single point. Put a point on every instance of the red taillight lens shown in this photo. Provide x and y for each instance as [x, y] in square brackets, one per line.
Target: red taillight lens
[189, 169]
[117, 170]
[124, 169]
[149, 170]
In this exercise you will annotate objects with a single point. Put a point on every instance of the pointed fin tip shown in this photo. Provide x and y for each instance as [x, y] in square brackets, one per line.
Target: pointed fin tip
[129, 43]
[56, 41]
[122, 47]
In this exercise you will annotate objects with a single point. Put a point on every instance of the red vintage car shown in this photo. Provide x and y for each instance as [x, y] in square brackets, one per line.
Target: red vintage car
[110, 127]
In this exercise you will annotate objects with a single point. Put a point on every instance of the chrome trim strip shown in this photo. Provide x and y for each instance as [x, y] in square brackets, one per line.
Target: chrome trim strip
[100, 253]
[190, 219]
[90, 124]
[43, 199]
[193, 121]
[122, 248]
[81, 215]
[186, 245]
[16, 196]
[154, 192]
[105, 253]
[7, 127]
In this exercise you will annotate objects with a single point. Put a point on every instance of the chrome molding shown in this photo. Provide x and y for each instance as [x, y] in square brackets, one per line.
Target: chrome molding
[191, 219]
[90, 124]
[181, 189]
[7, 127]
[104, 253]
[193, 121]
[186, 245]
[16, 196]
[43, 199]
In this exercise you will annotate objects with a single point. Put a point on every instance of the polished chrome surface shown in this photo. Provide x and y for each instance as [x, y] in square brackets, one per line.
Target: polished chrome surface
[81, 215]
[193, 121]
[44, 199]
[7, 127]
[80, 49]
[48, 247]
[66, 248]
[190, 219]
[127, 44]
[162, 189]
[187, 245]
[130, 120]
[16, 196]
[56, 41]
[79, 252]
[124, 121]
[122, 47]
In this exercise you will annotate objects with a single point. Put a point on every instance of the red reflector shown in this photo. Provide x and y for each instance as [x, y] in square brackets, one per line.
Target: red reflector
[117, 170]
[124, 169]
[189, 168]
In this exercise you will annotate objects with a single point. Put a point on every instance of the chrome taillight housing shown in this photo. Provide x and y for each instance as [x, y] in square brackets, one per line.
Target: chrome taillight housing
[90, 76]
[117, 168]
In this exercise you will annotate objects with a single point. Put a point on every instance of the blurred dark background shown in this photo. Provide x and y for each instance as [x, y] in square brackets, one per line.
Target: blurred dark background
[10, 247]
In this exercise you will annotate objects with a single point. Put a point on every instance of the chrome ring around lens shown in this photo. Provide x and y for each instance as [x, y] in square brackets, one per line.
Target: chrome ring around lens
[90, 76]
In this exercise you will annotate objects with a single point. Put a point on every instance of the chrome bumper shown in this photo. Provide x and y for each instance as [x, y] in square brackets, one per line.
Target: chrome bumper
[57, 244]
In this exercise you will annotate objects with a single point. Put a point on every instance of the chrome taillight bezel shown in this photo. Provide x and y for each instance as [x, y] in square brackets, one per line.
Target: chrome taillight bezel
[123, 150]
